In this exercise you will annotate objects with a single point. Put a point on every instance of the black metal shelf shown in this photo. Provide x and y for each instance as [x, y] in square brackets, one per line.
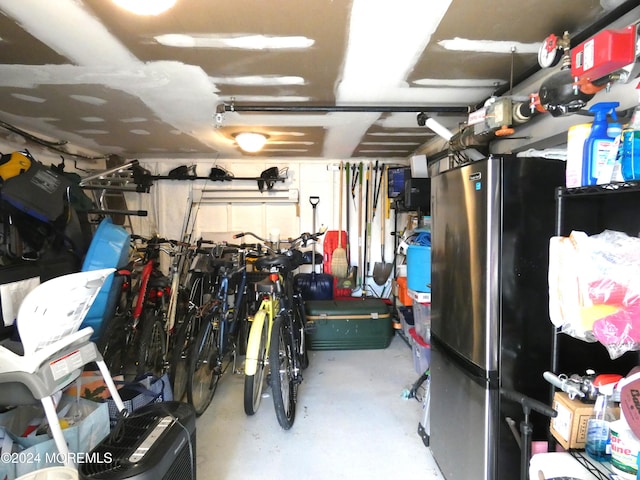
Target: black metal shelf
[617, 187]
[593, 209]
[600, 470]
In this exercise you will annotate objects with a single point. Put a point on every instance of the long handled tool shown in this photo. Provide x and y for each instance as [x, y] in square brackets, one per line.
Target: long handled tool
[354, 182]
[360, 233]
[339, 264]
[347, 169]
[367, 238]
[382, 270]
[314, 286]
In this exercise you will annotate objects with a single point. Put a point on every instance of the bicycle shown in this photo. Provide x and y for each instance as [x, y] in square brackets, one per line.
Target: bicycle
[159, 321]
[280, 311]
[198, 292]
[216, 340]
[199, 283]
[137, 338]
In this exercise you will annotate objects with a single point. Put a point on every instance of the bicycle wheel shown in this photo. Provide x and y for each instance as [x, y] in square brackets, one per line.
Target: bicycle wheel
[112, 344]
[153, 342]
[256, 355]
[244, 326]
[185, 337]
[203, 372]
[284, 386]
[301, 340]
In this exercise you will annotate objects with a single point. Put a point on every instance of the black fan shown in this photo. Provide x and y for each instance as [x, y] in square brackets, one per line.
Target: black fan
[157, 442]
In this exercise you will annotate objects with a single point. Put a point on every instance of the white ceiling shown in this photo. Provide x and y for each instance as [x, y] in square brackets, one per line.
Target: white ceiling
[94, 80]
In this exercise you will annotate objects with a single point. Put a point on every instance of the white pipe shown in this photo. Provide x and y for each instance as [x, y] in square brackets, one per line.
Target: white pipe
[438, 128]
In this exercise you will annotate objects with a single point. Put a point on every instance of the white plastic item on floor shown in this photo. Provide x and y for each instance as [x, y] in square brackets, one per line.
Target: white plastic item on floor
[558, 465]
[51, 473]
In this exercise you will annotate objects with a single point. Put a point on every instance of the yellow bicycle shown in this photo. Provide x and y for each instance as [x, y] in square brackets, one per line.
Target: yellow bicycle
[256, 359]
[281, 310]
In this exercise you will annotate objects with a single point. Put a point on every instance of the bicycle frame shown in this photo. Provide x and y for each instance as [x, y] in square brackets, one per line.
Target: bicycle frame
[216, 340]
[145, 275]
[266, 313]
[175, 273]
[223, 297]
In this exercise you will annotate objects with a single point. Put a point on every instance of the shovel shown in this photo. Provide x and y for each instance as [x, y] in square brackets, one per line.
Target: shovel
[314, 286]
[382, 270]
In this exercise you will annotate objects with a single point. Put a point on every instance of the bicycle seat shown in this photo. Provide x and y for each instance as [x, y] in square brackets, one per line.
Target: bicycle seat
[281, 262]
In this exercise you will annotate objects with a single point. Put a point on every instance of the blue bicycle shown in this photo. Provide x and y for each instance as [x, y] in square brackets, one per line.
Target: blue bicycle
[221, 319]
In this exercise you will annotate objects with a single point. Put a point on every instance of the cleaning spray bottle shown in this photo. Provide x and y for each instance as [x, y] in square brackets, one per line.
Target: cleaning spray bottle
[599, 145]
[631, 145]
[598, 443]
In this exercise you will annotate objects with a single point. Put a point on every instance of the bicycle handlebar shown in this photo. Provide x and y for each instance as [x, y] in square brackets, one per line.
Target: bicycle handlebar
[249, 249]
[155, 240]
[302, 240]
[154, 244]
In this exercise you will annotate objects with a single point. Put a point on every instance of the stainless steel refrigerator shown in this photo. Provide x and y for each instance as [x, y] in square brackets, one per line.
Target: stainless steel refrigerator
[490, 328]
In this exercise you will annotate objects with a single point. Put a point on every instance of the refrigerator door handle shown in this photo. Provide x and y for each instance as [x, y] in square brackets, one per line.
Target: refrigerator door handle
[485, 378]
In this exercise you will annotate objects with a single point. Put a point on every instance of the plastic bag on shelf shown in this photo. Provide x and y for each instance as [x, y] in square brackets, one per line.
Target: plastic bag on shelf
[594, 289]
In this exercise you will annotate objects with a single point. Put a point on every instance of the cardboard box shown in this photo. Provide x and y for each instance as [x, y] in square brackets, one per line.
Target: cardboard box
[569, 428]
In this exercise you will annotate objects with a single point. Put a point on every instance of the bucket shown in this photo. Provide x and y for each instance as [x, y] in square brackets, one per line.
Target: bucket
[51, 473]
[624, 450]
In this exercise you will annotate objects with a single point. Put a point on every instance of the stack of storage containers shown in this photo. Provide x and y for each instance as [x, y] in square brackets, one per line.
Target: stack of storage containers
[419, 290]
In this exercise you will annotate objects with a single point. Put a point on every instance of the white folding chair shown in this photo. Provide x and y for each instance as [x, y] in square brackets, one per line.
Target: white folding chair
[53, 351]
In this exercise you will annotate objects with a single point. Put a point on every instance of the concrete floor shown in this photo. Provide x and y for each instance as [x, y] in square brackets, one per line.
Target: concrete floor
[352, 422]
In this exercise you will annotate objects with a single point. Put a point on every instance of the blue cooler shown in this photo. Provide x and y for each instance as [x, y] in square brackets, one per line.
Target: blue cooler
[419, 268]
[109, 248]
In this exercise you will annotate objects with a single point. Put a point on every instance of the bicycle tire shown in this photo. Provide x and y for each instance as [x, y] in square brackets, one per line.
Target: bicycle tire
[244, 327]
[301, 341]
[153, 341]
[253, 384]
[203, 374]
[112, 344]
[185, 336]
[281, 363]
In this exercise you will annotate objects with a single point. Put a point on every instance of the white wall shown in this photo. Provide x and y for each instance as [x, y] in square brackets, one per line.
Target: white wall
[169, 200]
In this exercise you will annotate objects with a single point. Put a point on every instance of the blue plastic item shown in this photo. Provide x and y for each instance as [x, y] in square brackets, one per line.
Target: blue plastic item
[630, 160]
[419, 268]
[631, 155]
[598, 145]
[109, 248]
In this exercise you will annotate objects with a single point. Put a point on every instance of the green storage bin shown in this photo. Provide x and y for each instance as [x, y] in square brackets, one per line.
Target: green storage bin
[348, 324]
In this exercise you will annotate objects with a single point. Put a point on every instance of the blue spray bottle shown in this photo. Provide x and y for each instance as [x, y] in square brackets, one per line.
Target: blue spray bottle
[598, 145]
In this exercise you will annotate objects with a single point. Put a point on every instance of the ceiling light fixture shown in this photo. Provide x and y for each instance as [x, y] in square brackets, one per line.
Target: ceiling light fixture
[251, 142]
[146, 7]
